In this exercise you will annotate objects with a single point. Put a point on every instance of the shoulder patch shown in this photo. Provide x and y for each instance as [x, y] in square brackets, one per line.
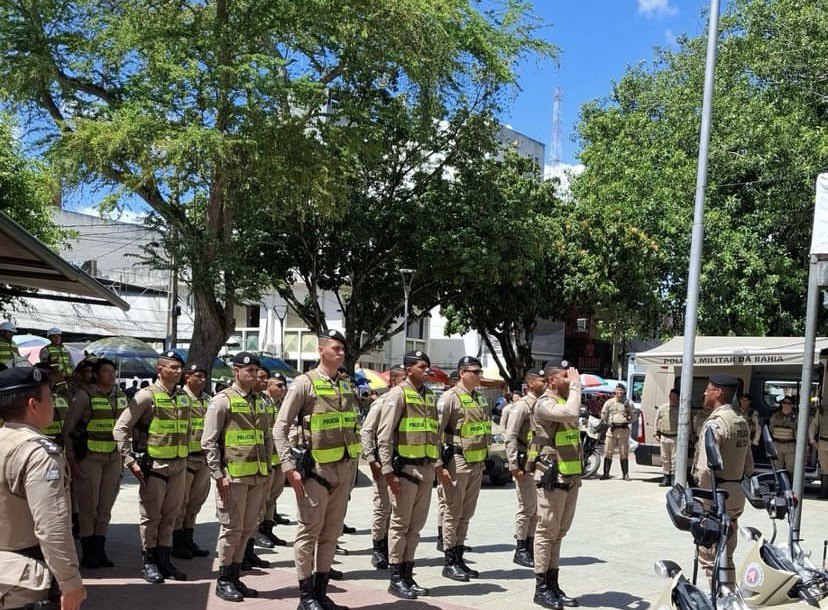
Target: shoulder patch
[49, 445]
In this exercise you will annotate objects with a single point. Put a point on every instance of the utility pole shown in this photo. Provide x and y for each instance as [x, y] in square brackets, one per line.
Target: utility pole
[407, 278]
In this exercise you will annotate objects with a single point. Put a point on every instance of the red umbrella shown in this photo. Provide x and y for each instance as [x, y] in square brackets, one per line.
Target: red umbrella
[589, 380]
[436, 375]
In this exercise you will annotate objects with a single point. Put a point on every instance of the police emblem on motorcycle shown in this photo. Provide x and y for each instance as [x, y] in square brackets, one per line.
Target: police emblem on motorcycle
[754, 575]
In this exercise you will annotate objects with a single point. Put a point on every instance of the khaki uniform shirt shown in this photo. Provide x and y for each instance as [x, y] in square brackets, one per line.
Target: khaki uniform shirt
[368, 433]
[517, 427]
[728, 447]
[666, 421]
[392, 409]
[616, 412]
[138, 414]
[37, 508]
[449, 427]
[818, 427]
[80, 410]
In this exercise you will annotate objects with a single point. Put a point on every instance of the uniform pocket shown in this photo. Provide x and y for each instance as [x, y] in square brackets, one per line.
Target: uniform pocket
[19, 571]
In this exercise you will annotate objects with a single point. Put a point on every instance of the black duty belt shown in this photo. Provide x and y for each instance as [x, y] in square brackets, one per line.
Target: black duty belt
[823, 438]
[619, 426]
[729, 480]
[415, 461]
[32, 552]
[320, 479]
[409, 477]
[787, 440]
[668, 434]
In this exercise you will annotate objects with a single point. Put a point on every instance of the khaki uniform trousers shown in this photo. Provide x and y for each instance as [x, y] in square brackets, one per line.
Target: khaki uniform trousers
[275, 489]
[321, 517]
[22, 580]
[668, 454]
[239, 518]
[461, 499]
[380, 518]
[556, 509]
[620, 439]
[441, 505]
[409, 512]
[526, 517]
[96, 490]
[196, 490]
[734, 506]
[786, 452]
[822, 447]
[160, 501]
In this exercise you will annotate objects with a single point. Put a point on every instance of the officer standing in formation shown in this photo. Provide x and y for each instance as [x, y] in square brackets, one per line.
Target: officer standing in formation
[36, 544]
[55, 354]
[327, 413]
[61, 399]
[408, 445]
[666, 427]
[380, 518]
[555, 457]
[617, 414]
[9, 354]
[783, 430]
[238, 449]
[197, 477]
[818, 436]
[453, 377]
[732, 434]
[466, 424]
[518, 435]
[276, 388]
[156, 422]
[94, 459]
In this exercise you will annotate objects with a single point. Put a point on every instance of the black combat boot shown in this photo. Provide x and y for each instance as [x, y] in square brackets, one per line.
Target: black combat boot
[196, 550]
[251, 560]
[280, 519]
[179, 546]
[440, 539]
[240, 586]
[522, 556]
[89, 559]
[266, 530]
[552, 583]
[397, 586]
[607, 466]
[307, 600]
[261, 538]
[150, 571]
[408, 579]
[543, 596]
[379, 559]
[451, 569]
[320, 592]
[625, 469]
[100, 547]
[530, 546]
[335, 574]
[225, 587]
[459, 550]
[665, 481]
[167, 569]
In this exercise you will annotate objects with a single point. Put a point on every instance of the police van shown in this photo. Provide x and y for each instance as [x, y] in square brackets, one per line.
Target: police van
[768, 368]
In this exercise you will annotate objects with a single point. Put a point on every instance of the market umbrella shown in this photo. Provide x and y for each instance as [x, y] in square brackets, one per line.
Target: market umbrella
[589, 380]
[30, 340]
[133, 357]
[370, 377]
[437, 375]
[32, 353]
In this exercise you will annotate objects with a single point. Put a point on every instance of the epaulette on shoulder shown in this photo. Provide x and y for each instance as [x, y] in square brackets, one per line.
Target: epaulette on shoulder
[47, 444]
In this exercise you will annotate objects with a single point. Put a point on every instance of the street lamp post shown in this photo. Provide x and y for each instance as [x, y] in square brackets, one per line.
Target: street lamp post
[281, 309]
[407, 278]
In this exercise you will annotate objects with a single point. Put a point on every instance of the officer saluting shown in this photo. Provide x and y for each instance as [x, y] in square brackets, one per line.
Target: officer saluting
[322, 476]
[36, 534]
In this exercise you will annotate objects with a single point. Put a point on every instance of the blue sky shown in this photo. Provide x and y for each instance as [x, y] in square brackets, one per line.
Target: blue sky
[598, 40]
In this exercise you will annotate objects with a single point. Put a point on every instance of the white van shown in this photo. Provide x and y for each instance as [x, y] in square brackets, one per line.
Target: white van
[768, 367]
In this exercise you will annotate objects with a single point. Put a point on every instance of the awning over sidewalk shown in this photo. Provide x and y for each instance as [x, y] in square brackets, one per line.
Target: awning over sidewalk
[732, 351]
[26, 262]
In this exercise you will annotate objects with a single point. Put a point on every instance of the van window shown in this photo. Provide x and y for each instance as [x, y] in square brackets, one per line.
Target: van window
[637, 387]
[774, 390]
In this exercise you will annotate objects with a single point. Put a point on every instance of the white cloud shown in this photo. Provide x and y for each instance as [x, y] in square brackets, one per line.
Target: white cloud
[671, 38]
[656, 8]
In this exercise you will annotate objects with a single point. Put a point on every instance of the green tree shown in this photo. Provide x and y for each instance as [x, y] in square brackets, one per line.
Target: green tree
[768, 142]
[225, 114]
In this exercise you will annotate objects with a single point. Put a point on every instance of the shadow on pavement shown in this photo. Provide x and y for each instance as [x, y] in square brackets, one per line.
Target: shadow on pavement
[613, 599]
[507, 574]
[141, 595]
[580, 561]
[469, 588]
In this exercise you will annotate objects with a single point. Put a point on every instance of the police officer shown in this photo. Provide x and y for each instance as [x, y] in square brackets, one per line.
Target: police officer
[275, 388]
[818, 436]
[94, 459]
[408, 447]
[453, 378]
[197, 477]
[238, 455]
[61, 399]
[55, 354]
[783, 430]
[617, 415]
[36, 544]
[467, 425]
[555, 458]
[732, 434]
[380, 518]
[518, 434]
[666, 427]
[9, 354]
[327, 412]
[155, 429]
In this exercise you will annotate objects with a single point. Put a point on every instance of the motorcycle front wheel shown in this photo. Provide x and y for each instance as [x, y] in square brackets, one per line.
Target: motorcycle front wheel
[592, 461]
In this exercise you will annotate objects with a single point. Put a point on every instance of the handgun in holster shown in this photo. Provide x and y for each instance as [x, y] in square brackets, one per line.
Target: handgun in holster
[552, 477]
[305, 465]
[79, 441]
[521, 460]
[446, 453]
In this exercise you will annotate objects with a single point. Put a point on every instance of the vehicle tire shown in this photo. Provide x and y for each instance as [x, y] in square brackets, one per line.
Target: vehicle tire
[591, 464]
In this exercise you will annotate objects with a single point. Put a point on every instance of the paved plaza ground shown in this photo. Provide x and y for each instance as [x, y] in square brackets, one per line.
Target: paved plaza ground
[620, 529]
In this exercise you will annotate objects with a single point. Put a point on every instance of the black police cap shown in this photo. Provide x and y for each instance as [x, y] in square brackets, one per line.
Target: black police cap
[414, 356]
[171, 355]
[333, 334]
[195, 368]
[279, 377]
[398, 368]
[723, 380]
[468, 361]
[245, 358]
[22, 378]
[97, 364]
[535, 373]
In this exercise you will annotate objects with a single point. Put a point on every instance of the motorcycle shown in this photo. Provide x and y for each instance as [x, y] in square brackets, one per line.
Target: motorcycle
[593, 432]
[702, 513]
[775, 573]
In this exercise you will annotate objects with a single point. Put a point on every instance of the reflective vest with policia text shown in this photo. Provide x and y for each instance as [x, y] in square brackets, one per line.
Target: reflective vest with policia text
[475, 428]
[198, 407]
[104, 415]
[272, 413]
[245, 453]
[169, 435]
[417, 435]
[55, 430]
[59, 357]
[561, 439]
[333, 423]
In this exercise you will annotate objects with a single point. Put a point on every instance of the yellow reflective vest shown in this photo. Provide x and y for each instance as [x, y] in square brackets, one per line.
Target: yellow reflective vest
[417, 432]
[169, 435]
[475, 427]
[333, 423]
[106, 408]
[245, 453]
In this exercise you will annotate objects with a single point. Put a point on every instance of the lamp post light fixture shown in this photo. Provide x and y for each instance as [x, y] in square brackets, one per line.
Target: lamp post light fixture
[280, 311]
[407, 278]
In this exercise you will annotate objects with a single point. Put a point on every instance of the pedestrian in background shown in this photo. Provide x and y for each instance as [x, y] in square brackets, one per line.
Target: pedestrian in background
[666, 427]
[617, 415]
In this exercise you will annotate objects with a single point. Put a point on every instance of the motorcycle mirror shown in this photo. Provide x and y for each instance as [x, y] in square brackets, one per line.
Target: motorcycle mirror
[749, 534]
[767, 442]
[711, 448]
[666, 568]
